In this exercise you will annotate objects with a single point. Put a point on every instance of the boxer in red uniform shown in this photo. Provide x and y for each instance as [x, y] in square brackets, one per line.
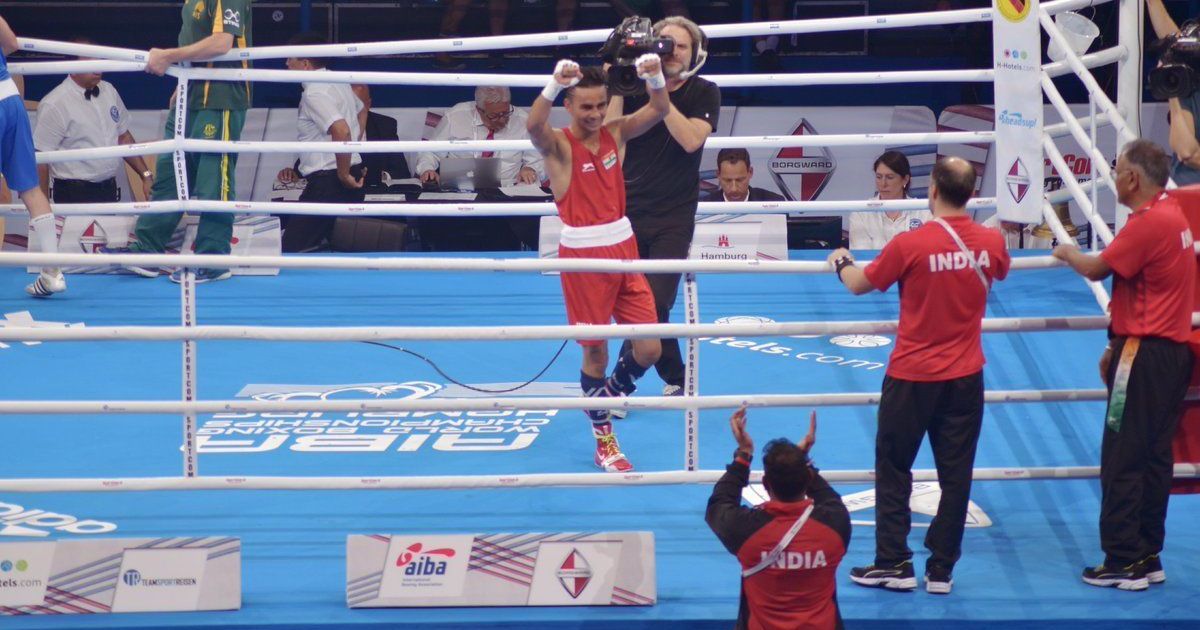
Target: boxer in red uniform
[584, 164]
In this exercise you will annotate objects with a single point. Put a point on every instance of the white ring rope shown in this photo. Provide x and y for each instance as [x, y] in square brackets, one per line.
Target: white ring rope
[524, 480]
[14, 334]
[33, 68]
[605, 265]
[565, 38]
[109, 407]
[472, 146]
[485, 209]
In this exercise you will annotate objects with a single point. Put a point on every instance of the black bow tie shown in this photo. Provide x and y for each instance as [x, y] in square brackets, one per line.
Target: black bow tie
[93, 91]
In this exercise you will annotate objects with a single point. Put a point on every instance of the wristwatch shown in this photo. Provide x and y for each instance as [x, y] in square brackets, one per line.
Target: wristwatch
[147, 174]
[841, 263]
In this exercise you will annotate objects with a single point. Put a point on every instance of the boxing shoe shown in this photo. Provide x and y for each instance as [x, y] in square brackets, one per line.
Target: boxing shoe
[609, 457]
[47, 284]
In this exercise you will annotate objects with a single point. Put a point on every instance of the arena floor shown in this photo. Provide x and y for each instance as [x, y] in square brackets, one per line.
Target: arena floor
[1021, 571]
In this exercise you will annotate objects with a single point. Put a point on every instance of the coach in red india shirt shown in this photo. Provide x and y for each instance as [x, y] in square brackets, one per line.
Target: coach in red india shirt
[1153, 266]
[789, 548]
[934, 380]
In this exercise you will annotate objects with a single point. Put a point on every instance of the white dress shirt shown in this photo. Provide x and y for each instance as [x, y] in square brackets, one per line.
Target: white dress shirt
[873, 230]
[1019, 239]
[462, 122]
[322, 105]
[68, 120]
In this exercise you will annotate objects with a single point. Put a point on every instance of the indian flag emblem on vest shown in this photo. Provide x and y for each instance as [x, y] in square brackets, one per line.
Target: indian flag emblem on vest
[610, 160]
[1014, 10]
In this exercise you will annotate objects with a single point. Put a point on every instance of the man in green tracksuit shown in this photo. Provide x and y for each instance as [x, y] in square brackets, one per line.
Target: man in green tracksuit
[216, 110]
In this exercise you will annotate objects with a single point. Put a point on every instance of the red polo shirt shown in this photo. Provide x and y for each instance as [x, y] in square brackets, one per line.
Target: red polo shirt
[1154, 273]
[941, 299]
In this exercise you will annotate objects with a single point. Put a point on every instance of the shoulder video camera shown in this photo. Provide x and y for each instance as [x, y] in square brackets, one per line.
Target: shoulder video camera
[632, 39]
[1177, 75]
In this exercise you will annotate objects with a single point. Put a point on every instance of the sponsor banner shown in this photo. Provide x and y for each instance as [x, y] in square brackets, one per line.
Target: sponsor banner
[160, 580]
[924, 500]
[24, 573]
[418, 567]
[82, 576]
[252, 236]
[1017, 55]
[539, 569]
[717, 237]
[493, 431]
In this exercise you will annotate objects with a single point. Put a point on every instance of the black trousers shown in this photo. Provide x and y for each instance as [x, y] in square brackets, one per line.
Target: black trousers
[659, 239]
[951, 412]
[303, 232]
[79, 191]
[1136, 463]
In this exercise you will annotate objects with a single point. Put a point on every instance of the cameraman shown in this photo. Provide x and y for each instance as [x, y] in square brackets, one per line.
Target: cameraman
[662, 174]
[1185, 168]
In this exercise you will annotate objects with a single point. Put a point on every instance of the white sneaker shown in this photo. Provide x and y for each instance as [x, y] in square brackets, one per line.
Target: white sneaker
[672, 390]
[47, 284]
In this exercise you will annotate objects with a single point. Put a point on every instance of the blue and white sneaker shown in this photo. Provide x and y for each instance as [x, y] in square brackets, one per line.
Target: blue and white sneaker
[47, 284]
[145, 272]
[203, 275]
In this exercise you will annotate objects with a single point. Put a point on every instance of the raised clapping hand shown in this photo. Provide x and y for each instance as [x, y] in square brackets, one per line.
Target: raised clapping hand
[811, 439]
[737, 423]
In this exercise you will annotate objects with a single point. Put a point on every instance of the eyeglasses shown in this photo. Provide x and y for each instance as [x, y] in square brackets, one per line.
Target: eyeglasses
[496, 117]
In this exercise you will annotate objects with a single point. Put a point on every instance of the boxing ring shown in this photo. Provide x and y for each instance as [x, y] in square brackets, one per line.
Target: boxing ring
[299, 405]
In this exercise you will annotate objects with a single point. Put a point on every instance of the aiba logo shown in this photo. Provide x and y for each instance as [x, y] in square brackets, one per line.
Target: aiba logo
[416, 561]
[574, 574]
[802, 172]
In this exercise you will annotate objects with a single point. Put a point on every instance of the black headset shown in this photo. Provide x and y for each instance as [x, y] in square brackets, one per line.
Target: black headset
[699, 55]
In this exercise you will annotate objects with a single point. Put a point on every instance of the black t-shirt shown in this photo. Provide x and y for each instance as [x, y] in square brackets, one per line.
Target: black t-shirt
[660, 177]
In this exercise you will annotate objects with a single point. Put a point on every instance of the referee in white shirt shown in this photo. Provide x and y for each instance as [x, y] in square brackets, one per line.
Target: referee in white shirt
[83, 112]
[328, 113]
[491, 116]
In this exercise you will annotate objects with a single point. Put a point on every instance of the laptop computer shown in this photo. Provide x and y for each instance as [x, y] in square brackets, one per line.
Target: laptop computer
[470, 173]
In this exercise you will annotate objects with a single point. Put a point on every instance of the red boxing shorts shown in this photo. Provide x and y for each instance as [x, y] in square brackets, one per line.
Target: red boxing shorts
[600, 298]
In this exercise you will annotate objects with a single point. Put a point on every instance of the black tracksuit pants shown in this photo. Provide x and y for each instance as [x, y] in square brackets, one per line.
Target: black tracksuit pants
[1136, 462]
[951, 412]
